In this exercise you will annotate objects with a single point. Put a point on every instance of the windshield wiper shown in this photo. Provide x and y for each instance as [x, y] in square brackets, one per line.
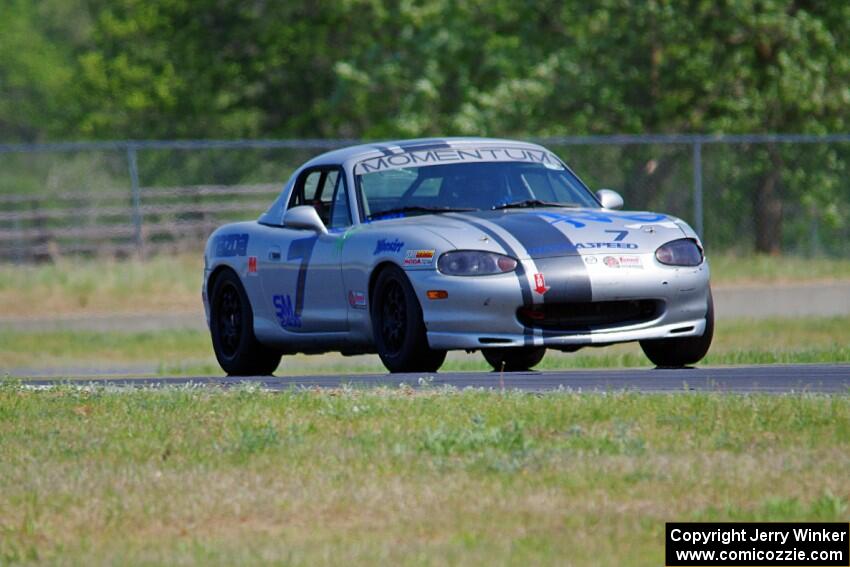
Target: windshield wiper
[419, 209]
[531, 203]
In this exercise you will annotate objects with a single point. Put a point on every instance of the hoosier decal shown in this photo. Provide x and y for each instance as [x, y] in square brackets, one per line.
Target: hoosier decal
[384, 245]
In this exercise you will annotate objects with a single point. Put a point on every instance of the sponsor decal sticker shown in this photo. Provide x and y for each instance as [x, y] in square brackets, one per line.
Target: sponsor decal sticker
[621, 234]
[384, 245]
[252, 265]
[301, 249]
[229, 245]
[419, 257]
[436, 155]
[590, 259]
[357, 299]
[606, 245]
[630, 262]
[540, 284]
[580, 219]
[285, 313]
[623, 262]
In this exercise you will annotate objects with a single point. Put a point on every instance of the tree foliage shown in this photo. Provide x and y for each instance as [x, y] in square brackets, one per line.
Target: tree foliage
[365, 68]
[148, 69]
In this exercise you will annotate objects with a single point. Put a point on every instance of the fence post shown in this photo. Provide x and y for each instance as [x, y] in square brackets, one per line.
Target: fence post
[136, 196]
[698, 188]
[19, 249]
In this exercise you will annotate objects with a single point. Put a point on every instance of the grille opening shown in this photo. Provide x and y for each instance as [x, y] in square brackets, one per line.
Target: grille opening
[681, 330]
[589, 315]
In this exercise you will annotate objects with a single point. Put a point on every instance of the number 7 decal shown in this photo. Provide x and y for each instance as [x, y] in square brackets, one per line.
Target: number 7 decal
[621, 234]
[301, 249]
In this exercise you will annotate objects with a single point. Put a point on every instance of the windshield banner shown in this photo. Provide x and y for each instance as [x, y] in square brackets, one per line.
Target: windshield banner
[456, 155]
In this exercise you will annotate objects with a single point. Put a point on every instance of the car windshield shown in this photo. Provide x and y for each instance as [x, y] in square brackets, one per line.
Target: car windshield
[469, 186]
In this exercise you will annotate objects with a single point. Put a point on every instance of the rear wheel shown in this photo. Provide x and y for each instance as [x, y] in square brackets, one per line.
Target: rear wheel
[514, 359]
[232, 330]
[675, 353]
[398, 327]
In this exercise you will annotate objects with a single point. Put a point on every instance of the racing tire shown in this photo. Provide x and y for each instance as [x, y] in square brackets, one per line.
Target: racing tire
[398, 327]
[516, 359]
[676, 353]
[232, 329]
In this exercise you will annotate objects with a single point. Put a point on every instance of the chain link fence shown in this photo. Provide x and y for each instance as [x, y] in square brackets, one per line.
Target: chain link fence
[773, 194]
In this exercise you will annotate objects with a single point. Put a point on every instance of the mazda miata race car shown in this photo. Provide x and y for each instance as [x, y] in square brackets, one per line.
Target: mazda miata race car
[413, 248]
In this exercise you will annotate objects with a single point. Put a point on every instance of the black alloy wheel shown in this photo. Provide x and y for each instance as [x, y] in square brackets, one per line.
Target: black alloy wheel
[514, 359]
[232, 330]
[683, 351]
[393, 318]
[398, 327]
[229, 310]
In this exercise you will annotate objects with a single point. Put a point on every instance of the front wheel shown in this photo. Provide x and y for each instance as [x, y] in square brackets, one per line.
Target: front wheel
[516, 359]
[675, 353]
[232, 329]
[398, 326]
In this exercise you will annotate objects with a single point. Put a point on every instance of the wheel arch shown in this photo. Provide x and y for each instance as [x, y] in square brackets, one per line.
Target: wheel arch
[216, 273]
[405, 356]
[373, 277]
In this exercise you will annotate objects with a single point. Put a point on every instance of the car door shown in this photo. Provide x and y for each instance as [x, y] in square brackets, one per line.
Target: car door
[301, 273]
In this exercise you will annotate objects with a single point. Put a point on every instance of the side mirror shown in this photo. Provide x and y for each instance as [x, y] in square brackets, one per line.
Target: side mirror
[609, 199]
[304, 217]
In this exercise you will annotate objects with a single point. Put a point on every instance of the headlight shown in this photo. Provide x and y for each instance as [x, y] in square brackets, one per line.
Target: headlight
[475, 263]
[684, 252]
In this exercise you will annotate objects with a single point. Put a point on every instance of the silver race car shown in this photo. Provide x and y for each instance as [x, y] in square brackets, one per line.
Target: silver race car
[413, 248]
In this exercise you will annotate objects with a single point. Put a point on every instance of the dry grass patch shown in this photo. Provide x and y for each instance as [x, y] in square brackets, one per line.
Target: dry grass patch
[172, 283]
[186, 352]
[393, 476]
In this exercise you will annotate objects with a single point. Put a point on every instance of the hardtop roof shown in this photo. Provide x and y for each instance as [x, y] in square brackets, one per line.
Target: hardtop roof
[379, 148]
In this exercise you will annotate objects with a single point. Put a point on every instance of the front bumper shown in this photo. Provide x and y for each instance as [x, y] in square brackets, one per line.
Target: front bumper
[481, 312]
[536, 337]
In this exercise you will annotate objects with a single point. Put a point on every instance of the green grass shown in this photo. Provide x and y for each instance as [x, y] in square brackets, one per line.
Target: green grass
[435, 477]
[173, 283]
[190, 352]
[730, 269]
[80, 286]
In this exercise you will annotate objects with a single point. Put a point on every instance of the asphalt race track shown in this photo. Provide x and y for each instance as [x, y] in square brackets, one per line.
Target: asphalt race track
[825, 378]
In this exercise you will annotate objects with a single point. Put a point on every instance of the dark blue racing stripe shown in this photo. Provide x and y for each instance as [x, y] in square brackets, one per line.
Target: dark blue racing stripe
[414, 147]
[525, 288]
[552, 251]
[539, 237]
[566, 278]
[301, 249]
[384, 149]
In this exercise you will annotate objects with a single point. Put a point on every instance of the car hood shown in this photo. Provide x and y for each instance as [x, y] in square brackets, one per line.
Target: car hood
[550, 232]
